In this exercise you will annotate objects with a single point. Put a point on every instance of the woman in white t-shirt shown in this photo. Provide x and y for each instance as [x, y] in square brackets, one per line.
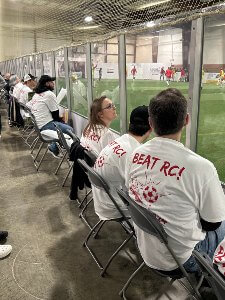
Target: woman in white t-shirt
[96, 134]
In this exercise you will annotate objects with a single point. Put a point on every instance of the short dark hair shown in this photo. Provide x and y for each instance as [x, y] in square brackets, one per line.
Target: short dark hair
[167, 111]
[139, 121]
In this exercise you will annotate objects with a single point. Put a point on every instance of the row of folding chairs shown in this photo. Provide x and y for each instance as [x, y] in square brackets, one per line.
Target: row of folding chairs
[139, 215]
[147, 221]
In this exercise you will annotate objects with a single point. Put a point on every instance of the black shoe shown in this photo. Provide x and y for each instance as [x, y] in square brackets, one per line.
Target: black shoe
[3, 235]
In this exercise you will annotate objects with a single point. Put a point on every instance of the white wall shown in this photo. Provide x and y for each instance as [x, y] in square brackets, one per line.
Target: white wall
[170, 47]
[214, 45]
[144, 49]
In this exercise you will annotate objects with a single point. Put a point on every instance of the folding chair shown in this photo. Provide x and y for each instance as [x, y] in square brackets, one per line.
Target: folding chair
[44, 139]
[97, 181]
[28, 130]
[65, 149]
[214, 279]
[90, 158]
[147, 221]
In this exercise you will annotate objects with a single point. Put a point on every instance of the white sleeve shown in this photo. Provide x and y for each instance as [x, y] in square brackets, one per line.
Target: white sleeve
[24, 98]
[51, 102]
[212, 200]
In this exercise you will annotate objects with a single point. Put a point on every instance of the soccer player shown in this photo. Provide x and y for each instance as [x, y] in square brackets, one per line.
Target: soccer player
[134, 72]
[162, 73]
[180, 187]
[168, 75]
[221, 78]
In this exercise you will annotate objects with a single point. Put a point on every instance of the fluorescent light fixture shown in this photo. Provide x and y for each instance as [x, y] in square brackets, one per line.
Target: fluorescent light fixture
[87, 27]
[152, 3]
[150, 24]
[88, 19]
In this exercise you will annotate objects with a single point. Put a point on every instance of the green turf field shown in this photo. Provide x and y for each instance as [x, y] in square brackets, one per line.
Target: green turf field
[211, 135]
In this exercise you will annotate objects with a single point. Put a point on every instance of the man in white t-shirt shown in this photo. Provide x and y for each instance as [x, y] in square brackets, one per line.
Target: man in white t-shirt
[28, 87]
[112, 160]
[45, 109]
[179, 186]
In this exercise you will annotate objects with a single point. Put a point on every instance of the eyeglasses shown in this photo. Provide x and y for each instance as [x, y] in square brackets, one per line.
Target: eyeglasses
[110, 106]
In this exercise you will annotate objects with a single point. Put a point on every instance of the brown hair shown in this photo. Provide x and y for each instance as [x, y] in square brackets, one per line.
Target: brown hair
[168, 111]
[94, 119]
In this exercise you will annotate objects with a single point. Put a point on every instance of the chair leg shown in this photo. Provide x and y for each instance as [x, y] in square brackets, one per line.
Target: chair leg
[89, 249]
[60, 163]
[33, 144]
[83, 217]
[122, 293]
[85, 198]
[67, 175]
[40, 162]
[115, 253]
[39, 150]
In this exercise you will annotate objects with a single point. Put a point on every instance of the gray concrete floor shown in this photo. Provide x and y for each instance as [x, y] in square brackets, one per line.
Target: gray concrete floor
[48, 260]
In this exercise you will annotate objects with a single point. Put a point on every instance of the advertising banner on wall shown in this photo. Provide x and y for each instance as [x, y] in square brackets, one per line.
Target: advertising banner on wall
[141, 70]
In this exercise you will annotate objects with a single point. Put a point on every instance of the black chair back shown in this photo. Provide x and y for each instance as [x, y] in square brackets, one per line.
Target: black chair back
[72, 135]
[97, 181]
[44, 140]
[90, 157]
[143, 218]
[25, 108]
[148, 222]
[211, 275]
[62, 139]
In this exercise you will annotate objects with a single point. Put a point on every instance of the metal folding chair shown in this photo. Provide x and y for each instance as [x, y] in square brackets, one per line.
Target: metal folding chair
[215, 280]
[147, 221]
[28, 131]
[97, 181]
[90, 157]
[44, 139]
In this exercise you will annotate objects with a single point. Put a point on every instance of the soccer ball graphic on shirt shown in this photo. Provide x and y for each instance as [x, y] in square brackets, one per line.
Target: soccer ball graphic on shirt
[100, 161]
[150, 194]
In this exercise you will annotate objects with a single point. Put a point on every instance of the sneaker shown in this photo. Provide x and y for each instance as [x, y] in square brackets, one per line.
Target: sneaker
[5, 250]
[56, 155]
[3, 235]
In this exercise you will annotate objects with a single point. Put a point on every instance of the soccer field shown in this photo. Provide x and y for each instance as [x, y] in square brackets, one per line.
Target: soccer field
[211, 134]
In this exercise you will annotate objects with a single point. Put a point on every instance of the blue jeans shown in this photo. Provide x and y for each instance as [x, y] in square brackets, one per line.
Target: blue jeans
[208, 246]
[53, 147]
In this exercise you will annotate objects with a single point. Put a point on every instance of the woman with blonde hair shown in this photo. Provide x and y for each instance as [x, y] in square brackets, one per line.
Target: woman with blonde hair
[96, 134]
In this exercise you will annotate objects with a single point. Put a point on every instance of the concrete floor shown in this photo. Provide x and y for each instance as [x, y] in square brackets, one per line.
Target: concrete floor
[48, 260]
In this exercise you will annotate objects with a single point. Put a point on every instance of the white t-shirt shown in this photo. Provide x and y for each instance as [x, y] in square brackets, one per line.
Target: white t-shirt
[17, 89]
[96, 141]
[110, 164]
[23, 95]
[41, 106]
[179, 187]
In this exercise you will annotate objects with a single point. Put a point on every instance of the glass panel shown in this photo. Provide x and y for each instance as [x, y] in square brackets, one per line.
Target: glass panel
[32, 66]
[47, 63]
[21, 67]
[211, 131]
[25, 65]
[148, 56]
[78, 79]
[38, 66]
[60, 74]
[105, 73]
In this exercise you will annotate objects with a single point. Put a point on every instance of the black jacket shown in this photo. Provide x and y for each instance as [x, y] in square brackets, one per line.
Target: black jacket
[79, 178]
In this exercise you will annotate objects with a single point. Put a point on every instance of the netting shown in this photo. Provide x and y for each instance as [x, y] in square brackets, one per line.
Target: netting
[37, 26]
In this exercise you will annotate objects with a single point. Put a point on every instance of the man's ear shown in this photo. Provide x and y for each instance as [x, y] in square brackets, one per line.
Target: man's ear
[150, 123]
[187, 119]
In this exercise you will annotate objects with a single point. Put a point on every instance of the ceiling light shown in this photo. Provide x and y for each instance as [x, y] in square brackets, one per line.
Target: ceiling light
[87, 27]
[150, 24]
[154, 3]
[88, 19]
